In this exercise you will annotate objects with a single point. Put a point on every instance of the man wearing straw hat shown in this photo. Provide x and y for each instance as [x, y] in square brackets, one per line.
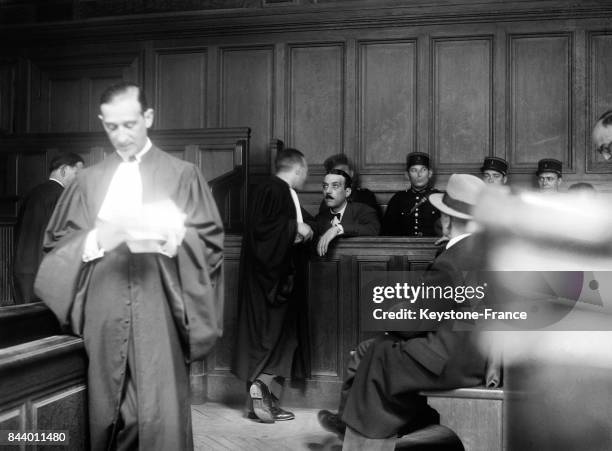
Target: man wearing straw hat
[382, 399]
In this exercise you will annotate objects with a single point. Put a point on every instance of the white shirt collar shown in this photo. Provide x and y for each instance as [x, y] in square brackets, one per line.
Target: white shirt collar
[138, 156]
[456, 239]
[56, 180]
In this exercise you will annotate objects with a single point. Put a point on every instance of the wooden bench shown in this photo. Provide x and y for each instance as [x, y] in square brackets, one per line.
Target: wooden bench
[476, 415]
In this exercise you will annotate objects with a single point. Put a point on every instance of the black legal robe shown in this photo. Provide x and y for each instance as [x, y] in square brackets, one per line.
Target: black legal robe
[272, 329]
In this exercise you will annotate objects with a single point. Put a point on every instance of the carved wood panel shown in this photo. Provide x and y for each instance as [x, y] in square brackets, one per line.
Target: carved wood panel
[64, 410]
[323, 305]
[540, 71]
[316, 100]
[387, 103]
[180, 87]
[462, 86]
[65, 91]
[246, 94]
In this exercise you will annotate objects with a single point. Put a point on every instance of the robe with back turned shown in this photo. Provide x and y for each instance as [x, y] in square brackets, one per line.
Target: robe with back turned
[168, 309]
[272, 329]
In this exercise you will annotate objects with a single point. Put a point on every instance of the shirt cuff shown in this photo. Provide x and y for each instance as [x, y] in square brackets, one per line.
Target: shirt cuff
[92, 251]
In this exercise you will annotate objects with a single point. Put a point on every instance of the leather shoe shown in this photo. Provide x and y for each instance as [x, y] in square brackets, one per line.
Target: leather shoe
[281, 414]
[331, 422]
[262, 401]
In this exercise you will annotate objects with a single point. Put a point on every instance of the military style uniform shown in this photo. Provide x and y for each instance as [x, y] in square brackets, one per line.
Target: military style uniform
[410, 214]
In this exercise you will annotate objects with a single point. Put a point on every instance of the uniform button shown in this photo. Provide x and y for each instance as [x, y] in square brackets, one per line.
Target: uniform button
[417, 198]
[417, 214]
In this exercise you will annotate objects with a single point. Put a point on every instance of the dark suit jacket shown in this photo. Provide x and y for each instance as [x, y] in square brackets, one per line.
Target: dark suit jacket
[383, 400]
[357, 220]
[34, 215]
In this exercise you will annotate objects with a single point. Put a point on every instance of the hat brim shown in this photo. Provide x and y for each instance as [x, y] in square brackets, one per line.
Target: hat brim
[554, 171]
[436, 200]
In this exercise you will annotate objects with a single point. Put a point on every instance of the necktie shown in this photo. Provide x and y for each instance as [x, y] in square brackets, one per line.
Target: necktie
[338, 216]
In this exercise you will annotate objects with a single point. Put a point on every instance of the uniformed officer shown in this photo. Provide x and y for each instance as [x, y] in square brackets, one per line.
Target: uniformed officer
[409, 212]
[494, 171]
[549, 173]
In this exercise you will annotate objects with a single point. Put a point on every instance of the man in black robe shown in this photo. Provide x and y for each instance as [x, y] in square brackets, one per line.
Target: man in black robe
[135, 266]
[34, 214]
[409, 212]
[271, 333]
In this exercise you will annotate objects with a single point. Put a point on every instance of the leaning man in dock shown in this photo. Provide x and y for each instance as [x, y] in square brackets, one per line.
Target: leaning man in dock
[134, 266]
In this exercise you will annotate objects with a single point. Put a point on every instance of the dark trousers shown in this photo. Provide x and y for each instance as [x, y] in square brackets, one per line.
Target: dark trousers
[384, 399]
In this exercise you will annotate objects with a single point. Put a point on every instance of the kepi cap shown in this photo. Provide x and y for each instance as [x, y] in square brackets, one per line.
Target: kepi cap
[496, 164]
[550, 165]
[415, 158]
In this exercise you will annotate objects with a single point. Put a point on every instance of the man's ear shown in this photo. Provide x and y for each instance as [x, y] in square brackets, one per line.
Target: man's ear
[348, 192]
[406, 175]
[430, 172]
[149, 115]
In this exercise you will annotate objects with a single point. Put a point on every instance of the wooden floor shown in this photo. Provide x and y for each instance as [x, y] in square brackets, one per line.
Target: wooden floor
[220, 427]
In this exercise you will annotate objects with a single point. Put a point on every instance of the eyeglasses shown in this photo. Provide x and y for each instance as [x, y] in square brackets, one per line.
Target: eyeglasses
[605, 150]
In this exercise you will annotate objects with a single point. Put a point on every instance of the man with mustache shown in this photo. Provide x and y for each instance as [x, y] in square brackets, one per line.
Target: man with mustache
[409, 212]
[341, 217]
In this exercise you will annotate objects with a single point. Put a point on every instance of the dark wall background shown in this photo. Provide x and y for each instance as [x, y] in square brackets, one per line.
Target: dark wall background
[375, 80]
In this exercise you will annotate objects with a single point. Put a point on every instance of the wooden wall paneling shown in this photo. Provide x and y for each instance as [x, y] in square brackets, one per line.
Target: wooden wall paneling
[350, 138]
[599, 93]
[13, 419]
[316, 100]
[32, 169]
[224, 349]
[365, 265]
[63, 410]
[247, 97]
[65, 89]
[324, 308]
[387, 104]
[500, 120]
[7, 248]
[540, 68]
[8, 87]
[212, 87]
[281, 105]
[462, 83]
[8, 184]
[180, 87]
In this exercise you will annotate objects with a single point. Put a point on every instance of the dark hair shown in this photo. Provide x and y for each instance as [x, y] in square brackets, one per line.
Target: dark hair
[337, 160]
[606, 118]
[287, 158]
[348, 182]
[582, 187]
[121, 88]
[67, 159]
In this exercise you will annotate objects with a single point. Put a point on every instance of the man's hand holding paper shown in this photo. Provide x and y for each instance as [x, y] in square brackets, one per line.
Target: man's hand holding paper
[156, 227]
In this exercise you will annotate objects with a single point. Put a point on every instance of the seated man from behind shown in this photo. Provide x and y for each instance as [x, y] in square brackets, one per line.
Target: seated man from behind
[358, 194]
[409, 212]
[341, 217]
[380, 398]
